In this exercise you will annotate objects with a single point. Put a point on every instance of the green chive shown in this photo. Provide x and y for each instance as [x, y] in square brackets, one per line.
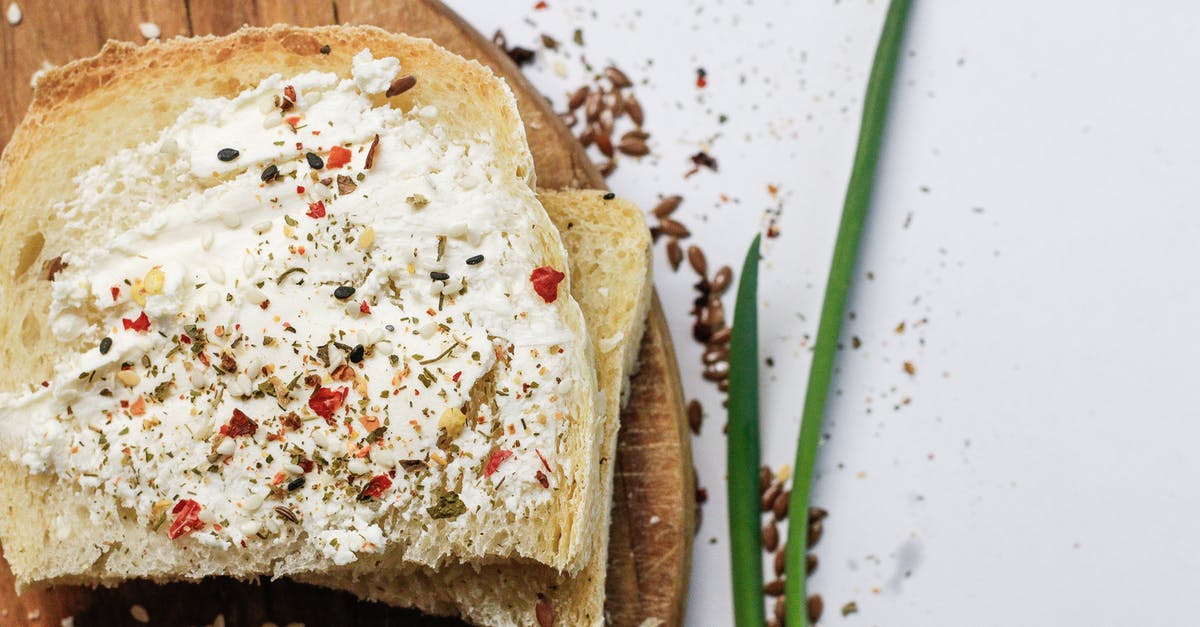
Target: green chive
[745, 543]
[858, 197]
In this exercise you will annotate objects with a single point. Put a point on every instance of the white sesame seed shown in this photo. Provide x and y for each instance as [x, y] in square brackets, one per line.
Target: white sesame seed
[227, 446]
[362, 337]
[356, 466]
[427, 329]
[150, 30]
[375, 335]
[385, 348]
[206, 240]
[13, 14]
[249, 266]
[139, 614]
[262, 227]
[251, 527]
[231, 219]
[217, 274]
[293, 469]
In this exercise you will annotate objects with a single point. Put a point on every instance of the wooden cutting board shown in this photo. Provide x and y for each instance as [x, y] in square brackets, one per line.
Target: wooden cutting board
[648, 563]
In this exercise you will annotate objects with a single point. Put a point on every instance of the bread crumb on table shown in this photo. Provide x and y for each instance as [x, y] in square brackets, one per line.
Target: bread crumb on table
[139, 614]
[13, 14]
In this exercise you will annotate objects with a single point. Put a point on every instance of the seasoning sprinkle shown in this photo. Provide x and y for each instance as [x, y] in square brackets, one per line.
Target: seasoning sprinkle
[295, 484]
[105, 345]
[609, 196]
[270, 173]
[475, 260]
[439, 276]
[357, 353]
[325, 49]
[227, 154]
[286, 513]
[343, 292]
[314, 161]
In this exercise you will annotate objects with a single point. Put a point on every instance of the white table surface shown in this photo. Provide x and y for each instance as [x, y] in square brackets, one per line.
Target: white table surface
[1034, 227]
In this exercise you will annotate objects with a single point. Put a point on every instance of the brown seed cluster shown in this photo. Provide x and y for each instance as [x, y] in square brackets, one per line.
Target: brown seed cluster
[597, 108]
[774, 497]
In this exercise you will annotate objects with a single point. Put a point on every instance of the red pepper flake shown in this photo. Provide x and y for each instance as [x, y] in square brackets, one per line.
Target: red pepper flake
[701, 78]
[138, 407]
[365, 308]
[544, 463]
[266, 303]
[290, 92]
[299, 189]
[375, 487]
[542, 479]
[325, 401]
[456, 376]
[116, 292]
[187, 519]
[306, 464]
[541, 5]
[239, 424]
[183, 337]
[545, 282]
[316, 209]
[497, 458]
[338, 157]
[140, 324]
[293, 120]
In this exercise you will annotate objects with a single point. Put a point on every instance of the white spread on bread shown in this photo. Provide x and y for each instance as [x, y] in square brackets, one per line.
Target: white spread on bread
[232, 389]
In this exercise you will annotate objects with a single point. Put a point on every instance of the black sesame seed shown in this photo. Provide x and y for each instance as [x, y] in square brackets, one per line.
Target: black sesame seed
[609, 196]
[325, 49]
[474, 261]
[227, 154]
[295, 484]
[343, 292]
[105, 345]
[270, 173]
[439, 276]
[357, 353]
[390, 327]
[314, 161]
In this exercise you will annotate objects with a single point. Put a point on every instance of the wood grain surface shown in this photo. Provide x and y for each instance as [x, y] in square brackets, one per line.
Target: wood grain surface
[648, 563]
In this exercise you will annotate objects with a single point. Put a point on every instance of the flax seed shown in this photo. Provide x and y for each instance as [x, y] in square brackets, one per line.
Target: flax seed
[768, 497]
[674, 253]
[774, 588]
[633, 147]
[666, 206]
[634, 109]
[770, 536]
[780, 506]
[695, 416]
[816, 607]
[815, 530]
[697, 260]
[617, 77]
[721, 280]
[671, 227]
[577, 97]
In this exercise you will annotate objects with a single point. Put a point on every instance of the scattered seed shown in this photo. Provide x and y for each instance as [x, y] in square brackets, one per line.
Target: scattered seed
[439, 276]
[721, 280]
[149, 30]
[634, 147]
[591, 106]
[105, 345]
[667, 206]
[781, 560]
[816, 514]
[286, 513]
[774, 588]
[474, 261]
[13, 14]
[603, 141]
[569, 119]
[810, 564]
[695, 415]
[765, 477]
[780, 610]
[371, 153]
[618, 104]
[816, 607]
[674, 253]
[634, 109]
[671, 227]
[587, 137]
[401, 85]
[607, 168]
[139, 614]
[715, 355]
[770, 536]
[269, 173]
[636, 133]
[343, 292]
[715, 314]
[295, 484]
[768, 497]
[909, 368]
[314, 160]
[610, 195]
[815, 530]
[577, 97]
[697, 260]
[721, 336]
[326, 49]
[780, 507]
[357, 353]
[849, 608]
[617, 77]
[227, 154]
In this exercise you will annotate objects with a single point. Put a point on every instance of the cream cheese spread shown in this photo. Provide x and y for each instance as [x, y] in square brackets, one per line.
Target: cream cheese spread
[331, 324]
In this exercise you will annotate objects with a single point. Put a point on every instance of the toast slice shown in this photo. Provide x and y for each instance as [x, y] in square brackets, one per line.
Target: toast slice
[385, 355]
[608, 247]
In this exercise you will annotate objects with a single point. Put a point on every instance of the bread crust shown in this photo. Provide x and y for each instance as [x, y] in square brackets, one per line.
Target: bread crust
[85, 110]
